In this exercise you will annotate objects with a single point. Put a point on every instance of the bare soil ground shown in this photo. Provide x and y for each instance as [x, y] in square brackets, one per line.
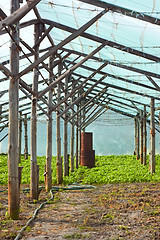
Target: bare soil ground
[118, 211]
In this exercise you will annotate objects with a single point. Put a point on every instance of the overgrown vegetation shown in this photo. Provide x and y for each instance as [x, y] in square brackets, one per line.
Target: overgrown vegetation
[108, 169]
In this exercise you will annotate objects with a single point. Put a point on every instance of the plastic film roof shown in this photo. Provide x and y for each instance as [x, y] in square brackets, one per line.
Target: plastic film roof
[130, 55]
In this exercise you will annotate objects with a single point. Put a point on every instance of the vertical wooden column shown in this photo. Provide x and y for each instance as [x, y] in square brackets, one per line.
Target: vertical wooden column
[138, 138]
[152, 139]
[20, 135]
[25, 137]
[48, 178]
[58, 133]
[77, 138]
[144, 137]
[33, 159]
[13, 180]
[141, 136]
[65, 132]
[83, 115]
[135, 136]
[72, 135]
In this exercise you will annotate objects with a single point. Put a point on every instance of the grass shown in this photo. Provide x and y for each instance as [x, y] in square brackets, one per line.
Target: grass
[108, 169]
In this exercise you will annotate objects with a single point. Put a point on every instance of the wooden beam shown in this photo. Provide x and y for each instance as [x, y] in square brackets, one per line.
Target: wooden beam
[61, 44]
[43, 36]
[18, 14]
[82, 96]
[108, 43]
[124, 11]
[79, 87]
[69, 71]
[97, 115]
[88, 102]
[126, 90]
[154, 83]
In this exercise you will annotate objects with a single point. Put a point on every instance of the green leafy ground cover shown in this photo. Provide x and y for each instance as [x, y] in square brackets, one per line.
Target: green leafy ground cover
[108, 169]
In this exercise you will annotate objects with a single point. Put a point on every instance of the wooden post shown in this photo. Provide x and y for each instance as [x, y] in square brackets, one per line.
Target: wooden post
[83, 116]
[141, 135]
[79, 137]
[72, 136]
[33, 159]
[58, 134]
[48, 177]
[13, 178]
[65, 132]
[152, 139]
[20, 134]
[144, 138]
[135, 136]
[138, 138]
[20, 175]
[25, 137]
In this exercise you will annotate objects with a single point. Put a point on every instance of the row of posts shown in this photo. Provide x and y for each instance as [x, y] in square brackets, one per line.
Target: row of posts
[60, 168]
[141, 137]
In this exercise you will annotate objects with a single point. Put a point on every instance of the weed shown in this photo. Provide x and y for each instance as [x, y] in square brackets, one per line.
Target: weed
[76, 236]
[35, 201]
[108, 169]
[154, 213]
[108, 216]
[122, 227]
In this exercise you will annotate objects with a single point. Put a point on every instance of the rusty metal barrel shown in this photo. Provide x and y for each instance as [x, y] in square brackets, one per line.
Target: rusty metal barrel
[87, 153]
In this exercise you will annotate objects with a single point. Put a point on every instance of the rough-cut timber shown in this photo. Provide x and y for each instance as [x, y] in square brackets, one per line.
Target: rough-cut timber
[18, 14]
[144, 137]
[25, 137]
[152, 139]
[65, 132]
[48, 178]
[124, 11]
[33, 159]
[58, 134]
[13, 154]
[141, 136]
[20, 135]
[72, 135]
[62, 43]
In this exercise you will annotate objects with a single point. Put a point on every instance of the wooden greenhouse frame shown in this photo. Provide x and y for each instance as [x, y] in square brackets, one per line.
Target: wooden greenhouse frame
[76, 96]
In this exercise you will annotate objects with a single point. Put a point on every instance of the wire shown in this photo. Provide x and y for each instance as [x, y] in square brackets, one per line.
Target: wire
[52, 4]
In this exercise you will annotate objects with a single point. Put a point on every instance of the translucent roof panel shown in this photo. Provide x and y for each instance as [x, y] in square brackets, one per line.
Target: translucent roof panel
[130, 52]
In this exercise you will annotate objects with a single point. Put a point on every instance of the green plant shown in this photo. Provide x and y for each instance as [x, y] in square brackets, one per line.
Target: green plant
[108, 169]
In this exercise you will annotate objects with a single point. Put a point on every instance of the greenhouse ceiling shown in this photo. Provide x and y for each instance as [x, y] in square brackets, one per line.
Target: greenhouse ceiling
[108, 50]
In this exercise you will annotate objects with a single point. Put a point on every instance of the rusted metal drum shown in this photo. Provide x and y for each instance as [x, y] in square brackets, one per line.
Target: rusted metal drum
[86, 140]
[87, 153]
[87, 159]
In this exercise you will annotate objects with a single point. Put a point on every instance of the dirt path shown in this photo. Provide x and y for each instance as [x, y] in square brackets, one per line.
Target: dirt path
[119, 211]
